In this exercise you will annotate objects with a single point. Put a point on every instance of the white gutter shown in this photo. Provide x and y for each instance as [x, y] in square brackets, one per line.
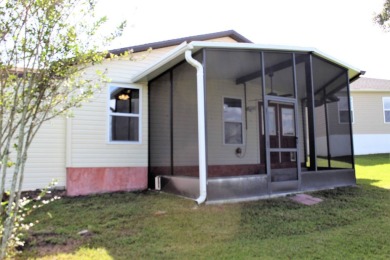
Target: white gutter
[201, 126]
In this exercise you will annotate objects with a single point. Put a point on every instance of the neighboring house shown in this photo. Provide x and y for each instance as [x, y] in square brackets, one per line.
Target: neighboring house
[370, 103]
[211, 117]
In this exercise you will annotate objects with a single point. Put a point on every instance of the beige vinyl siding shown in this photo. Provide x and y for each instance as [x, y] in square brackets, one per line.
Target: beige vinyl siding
[90, 125]
[224, 154]
[368, 111]
[123, 69]
[46, 157]
[89, 137]
[222, 39]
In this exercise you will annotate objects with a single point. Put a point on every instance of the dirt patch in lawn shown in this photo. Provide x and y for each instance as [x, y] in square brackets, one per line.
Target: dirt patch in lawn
[50, 243]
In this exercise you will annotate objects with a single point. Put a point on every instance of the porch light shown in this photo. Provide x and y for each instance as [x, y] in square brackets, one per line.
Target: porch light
[123, 97]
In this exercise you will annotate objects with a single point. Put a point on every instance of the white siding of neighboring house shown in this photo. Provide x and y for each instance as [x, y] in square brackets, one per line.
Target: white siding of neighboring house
[371, 134]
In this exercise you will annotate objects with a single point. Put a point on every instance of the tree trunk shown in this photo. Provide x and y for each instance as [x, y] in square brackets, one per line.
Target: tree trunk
[12, 204]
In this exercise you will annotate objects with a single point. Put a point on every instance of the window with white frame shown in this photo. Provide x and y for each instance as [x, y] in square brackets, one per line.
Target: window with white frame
[232, 120]
[124, 114]
[343, 110]
[386, 109]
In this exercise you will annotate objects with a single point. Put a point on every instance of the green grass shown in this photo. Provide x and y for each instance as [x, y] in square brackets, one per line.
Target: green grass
[351, 223]
[374, 170]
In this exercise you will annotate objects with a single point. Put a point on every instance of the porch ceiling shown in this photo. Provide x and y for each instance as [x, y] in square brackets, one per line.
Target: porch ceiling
[177, 55]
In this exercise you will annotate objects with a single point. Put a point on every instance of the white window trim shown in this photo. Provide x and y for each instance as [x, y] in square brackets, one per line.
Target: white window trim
[384, 110]
[109, 113]
[352, 112]
[242, 122]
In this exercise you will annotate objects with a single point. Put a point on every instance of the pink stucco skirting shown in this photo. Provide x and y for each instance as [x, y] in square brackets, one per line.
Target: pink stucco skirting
[84, 181]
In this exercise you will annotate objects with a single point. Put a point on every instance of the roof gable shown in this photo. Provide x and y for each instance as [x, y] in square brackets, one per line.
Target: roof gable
[162, 44]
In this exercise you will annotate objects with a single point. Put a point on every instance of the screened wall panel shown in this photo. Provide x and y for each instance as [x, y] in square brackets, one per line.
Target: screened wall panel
[160, 126]
[321, 135]
[333, 128]
[279, 79]
[340, 147]
[234, 101]
[185, 121]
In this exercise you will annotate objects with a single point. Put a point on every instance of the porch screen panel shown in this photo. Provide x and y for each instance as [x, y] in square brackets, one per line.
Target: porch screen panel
[321, 133]
[235, 136]
[185, 121]
[279, 80]
[340, 147]
[160, 126]
[330, 86]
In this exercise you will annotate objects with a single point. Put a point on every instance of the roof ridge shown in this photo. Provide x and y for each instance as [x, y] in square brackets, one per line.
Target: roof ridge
[202, 37]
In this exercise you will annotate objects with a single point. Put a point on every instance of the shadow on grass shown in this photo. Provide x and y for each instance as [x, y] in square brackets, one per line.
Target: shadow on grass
[367, 182]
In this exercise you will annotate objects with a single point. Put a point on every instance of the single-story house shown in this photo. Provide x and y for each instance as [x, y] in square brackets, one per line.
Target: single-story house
[370, 112]
[212, 117]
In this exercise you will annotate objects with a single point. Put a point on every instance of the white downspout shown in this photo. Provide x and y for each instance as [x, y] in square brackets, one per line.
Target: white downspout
[201, 126]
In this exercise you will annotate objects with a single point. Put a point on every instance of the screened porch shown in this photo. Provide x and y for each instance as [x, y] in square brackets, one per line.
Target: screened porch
[276, 122]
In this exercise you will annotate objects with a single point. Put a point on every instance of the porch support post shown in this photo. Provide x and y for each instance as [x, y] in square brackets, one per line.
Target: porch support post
[350, 119]
[201, 127]
[311, 112]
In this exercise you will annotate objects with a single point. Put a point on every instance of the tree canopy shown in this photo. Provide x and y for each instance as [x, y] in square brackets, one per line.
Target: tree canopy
[45, 48]
[383, 18]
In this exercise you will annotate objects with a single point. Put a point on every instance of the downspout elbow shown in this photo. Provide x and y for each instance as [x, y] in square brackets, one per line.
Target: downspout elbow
[201, 127]
[193, 62]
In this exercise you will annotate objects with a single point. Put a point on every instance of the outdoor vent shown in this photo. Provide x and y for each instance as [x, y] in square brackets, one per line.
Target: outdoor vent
[157, 183]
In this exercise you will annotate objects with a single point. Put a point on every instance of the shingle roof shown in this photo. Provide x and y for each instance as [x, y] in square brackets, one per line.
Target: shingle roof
[370, 84]
[156, 45]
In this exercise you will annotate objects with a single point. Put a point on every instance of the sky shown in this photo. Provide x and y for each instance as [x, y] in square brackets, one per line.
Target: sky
[343, 29]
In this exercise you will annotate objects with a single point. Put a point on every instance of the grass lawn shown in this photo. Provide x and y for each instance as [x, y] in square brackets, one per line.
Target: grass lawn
[351, 223]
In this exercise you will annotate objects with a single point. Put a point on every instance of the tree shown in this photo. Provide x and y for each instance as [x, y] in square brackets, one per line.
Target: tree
[46, 47]
[383, 18]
